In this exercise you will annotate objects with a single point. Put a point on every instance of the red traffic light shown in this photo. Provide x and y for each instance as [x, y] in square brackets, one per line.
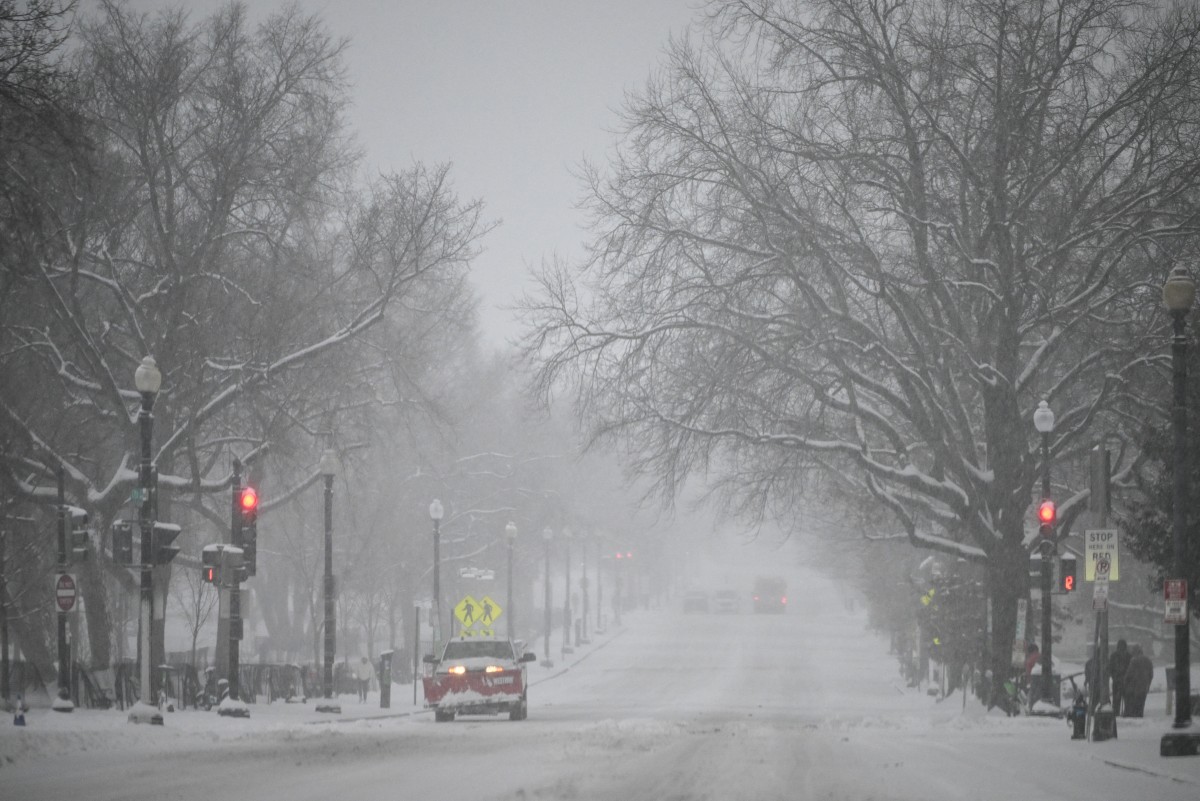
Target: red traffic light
[1068, 583]
[249, 500]
[1046, 513]
[209, 574]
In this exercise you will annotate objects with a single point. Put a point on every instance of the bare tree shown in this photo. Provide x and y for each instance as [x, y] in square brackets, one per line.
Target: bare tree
[197, 599]
[854, 243]
[212, 222]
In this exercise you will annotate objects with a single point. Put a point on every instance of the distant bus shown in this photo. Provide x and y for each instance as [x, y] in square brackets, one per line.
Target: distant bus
[770, 595]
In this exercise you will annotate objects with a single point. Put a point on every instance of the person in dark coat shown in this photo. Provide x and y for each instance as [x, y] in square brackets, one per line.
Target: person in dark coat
[1137, 682]
[1118, 664]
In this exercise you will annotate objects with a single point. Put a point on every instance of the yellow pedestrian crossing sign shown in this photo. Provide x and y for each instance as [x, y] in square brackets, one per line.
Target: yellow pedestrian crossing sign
[489, 611]
[467, 611]
[477, 617]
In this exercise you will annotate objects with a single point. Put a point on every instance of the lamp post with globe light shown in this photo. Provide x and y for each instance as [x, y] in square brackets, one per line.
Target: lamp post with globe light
[510, 536]
[566, 646]
[547, 535]
[436, 512]
[148, 379]
[1179, 293]
[1043, 421]
[328, 468]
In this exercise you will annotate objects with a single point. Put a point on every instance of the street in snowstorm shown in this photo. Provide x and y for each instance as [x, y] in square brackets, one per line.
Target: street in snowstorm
[801, 705]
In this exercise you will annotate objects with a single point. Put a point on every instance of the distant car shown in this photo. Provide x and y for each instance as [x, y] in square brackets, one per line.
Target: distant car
[726, 601]
[770, 595]
[695, 601]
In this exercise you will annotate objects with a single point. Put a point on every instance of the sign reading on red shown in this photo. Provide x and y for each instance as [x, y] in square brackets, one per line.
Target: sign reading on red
[1175, 609]
[65, 591]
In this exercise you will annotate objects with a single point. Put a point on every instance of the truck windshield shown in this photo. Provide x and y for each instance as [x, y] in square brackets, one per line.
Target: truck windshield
[495, 649]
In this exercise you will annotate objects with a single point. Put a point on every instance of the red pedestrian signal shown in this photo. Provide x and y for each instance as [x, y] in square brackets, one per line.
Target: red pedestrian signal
[210, 575]
[1067, 565]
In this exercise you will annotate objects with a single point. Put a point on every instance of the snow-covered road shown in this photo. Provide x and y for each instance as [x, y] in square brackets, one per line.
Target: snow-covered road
[805, 705]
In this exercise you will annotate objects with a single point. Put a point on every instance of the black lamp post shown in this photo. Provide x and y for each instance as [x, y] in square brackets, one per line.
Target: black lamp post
[1179, 292]
[583, 590]
[599, 585]
[436, 511]
[547, 535]
[147, 379]
[510, 536]
[328, 469]
[566, 646]
[1043, 421]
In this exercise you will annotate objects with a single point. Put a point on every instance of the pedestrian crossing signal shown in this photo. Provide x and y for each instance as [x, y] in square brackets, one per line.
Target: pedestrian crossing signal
[1066, 573]
[211, 575]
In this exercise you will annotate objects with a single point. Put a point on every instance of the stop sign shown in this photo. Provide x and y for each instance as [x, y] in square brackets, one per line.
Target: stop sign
[65, 591]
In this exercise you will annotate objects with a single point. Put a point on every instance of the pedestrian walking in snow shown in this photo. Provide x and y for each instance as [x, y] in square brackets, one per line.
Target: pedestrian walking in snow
[1137, 682]
[363, 673]
[1118, 665]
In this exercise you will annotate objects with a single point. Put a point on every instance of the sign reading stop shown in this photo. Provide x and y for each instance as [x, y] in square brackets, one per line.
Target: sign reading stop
[65, 591]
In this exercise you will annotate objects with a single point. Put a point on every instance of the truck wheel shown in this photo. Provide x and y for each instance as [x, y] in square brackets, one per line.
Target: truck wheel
[442, 717]
[520, 712]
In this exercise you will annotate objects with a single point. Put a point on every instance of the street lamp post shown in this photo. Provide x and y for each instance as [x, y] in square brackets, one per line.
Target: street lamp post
[148, 379]
[328, 468]
[547, 535]
[510, 536]
[1179, 292]
[1043, 421]
[583, 589]
[436, 511]
[599, 587]
[566, 646]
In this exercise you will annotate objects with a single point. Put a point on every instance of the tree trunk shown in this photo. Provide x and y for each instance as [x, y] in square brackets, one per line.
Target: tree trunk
[1007, 583]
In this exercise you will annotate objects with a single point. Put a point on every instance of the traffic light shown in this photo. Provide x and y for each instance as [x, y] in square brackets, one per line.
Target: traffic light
[211, 574]
[1046, 514]
[162, 549]
[122, 542]
[79, 535]
[1066, 573]
[248, 504]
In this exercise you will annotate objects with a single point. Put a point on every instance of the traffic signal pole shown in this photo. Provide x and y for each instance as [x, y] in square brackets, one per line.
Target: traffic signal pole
[234, 584]
[64, 647]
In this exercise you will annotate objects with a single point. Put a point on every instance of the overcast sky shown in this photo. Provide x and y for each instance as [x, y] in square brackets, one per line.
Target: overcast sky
[514, 93]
